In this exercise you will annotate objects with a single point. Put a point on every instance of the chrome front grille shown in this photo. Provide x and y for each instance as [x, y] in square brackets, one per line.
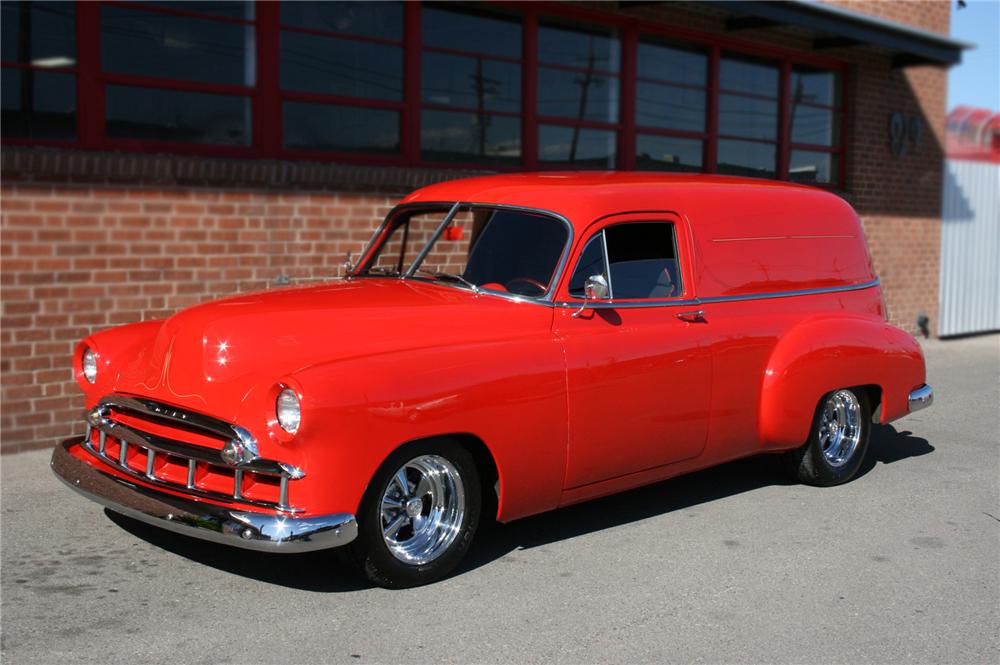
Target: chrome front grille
[144, 439]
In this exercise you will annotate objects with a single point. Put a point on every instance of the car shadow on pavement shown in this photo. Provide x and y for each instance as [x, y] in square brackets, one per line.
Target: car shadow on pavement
[327, 572]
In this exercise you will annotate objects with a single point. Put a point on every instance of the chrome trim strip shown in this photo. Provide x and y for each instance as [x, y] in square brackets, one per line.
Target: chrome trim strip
[792, 294]
[921, 398]
[717, 299]
[248, 530]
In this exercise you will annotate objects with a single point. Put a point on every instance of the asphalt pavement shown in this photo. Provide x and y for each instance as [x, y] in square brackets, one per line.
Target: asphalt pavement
[732, 564]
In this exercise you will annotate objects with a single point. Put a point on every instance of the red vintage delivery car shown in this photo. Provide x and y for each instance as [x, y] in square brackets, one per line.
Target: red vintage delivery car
[505, 345]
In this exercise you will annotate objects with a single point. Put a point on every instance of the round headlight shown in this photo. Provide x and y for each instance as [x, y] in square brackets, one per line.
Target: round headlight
[289, 413]
[90, 365]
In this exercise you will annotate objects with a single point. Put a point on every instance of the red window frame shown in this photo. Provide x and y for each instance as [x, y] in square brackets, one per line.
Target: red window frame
[27, 66]
[430, 106]
[274, 96]
[636, 129]
[267, 97]
[616, 128]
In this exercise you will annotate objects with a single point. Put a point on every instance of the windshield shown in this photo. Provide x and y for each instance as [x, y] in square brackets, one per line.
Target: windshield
[475, 247]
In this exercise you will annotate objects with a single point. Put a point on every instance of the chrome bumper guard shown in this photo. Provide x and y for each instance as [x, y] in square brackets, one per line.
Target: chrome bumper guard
[249, 530]
[921, 398]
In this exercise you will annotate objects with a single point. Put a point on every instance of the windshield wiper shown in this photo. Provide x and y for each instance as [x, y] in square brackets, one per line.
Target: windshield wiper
[448, 275]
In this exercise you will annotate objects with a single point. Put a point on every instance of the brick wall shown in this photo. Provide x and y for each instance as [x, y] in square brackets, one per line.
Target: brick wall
[77, 259]
[96, 240]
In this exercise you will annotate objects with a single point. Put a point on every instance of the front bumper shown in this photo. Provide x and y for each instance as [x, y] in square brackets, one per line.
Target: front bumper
[921, 398]
[249, 530]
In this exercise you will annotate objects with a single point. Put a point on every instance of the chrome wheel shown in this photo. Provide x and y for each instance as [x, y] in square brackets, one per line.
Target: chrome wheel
[840, 427]
[422, 509]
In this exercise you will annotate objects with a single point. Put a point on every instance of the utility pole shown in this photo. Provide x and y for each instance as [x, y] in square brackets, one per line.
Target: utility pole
[483, 86]
[584, 83]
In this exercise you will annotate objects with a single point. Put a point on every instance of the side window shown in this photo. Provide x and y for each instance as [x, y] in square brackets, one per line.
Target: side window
[591, 263]
[643, 258]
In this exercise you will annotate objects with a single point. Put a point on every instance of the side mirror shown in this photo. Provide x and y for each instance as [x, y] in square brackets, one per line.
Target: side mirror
[595, 288]
[348, 265]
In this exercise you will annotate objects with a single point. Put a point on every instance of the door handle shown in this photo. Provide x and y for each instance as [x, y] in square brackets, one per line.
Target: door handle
[694, 316]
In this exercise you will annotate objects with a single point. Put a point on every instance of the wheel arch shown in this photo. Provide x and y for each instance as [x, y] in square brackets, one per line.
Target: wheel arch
[486, 465]
[830, 352]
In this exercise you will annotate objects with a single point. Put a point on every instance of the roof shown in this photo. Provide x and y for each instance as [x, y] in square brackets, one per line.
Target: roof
[585, 196]
[836, 27]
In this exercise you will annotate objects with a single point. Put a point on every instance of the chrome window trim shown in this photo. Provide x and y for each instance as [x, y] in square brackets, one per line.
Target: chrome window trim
[632, 304]
[548, 300]
[586, 246]
[453, 207]
[607, 264]
[607, 259]
[430, 243]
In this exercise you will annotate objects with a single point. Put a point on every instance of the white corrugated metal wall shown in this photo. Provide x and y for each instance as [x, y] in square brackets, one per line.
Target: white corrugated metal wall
[970, 248]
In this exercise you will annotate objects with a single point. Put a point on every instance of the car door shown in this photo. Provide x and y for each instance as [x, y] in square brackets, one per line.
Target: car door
[638, 375]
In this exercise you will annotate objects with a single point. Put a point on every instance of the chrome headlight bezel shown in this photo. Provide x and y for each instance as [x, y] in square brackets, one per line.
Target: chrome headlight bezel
[288, 410]
[88, 365]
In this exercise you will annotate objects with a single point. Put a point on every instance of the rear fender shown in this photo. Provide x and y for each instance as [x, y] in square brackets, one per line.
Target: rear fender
[830, 352]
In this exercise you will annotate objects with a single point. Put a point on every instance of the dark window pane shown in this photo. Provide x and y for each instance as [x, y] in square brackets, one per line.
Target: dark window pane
[578, 48]
[170, 115]
[591, 263]
[817, 86]
[577, 95]
[401, 243]
[586, 148]
[38, 104]
[42, 33]
[469, 137]
[642, 261]
[176, 47]
[814, 125]
[666, 63]
[341, 67]
[243, 10]
[669, 107]
[514, 249]
[309, 126]
[469, 30]
[472, 83]
[667, 153]
[808, 166]
[371, 19]
[748, 116]
[748, 75]
[747, 158]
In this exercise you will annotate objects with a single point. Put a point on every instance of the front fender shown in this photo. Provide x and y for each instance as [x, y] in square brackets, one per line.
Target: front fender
[115, 349]
[510, 394]
[830, 352]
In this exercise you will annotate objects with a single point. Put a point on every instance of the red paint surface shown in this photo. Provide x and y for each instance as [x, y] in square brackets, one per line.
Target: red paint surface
[569, 408]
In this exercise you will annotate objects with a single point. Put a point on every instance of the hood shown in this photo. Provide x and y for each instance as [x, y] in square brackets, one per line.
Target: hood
[212, 357]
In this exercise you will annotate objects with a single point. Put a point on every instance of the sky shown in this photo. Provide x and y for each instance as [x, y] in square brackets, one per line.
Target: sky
[976, 82]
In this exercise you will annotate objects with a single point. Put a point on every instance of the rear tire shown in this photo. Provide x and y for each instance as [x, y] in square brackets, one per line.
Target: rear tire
[838, 440]
[418, 534]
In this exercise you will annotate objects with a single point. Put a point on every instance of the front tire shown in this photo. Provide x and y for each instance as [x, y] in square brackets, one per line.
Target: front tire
[838, 440]
[419, 515]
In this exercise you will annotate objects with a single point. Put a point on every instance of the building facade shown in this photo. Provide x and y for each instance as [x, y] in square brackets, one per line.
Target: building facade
[156, 155]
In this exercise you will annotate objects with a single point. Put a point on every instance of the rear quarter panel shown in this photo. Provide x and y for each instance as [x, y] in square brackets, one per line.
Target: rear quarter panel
[831, 351]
